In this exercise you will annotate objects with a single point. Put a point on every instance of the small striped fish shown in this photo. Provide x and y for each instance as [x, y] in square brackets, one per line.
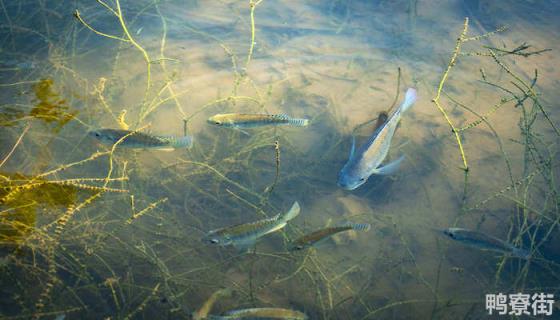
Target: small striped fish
[485, 242]
[262, 313]
[203, 312]
[141, 140]
[243, 121]
[312, 238]
[243, 236]
[367, 160]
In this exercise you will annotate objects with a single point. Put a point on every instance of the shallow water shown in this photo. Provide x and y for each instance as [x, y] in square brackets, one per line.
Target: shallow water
[90, 233]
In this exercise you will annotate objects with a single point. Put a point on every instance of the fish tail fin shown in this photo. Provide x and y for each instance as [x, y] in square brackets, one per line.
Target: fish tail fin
[359, 226]
[409, 99]
[521, 253]
[299, 122]
[292, 213]
[182, 142]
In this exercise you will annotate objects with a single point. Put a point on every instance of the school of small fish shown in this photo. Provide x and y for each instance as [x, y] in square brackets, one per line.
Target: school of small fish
[361, 164]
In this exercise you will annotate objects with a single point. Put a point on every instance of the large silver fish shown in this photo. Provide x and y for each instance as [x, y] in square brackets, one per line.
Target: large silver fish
[367, 160]
[242, 121]
[485, 242]
[141, 140]
[243, 236]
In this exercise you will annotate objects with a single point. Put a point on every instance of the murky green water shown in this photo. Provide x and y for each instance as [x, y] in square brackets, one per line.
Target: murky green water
[91, 232]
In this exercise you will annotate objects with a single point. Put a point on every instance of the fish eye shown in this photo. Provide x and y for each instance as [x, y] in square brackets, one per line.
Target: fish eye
[214, 241]
[97, 134]
[295, 247]
[217, 122]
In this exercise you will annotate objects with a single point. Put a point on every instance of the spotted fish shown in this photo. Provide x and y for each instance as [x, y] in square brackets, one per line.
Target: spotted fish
[485, 242]
[262, 313]
[243, 121]
[141, 140]
[367, 160]
[243, 236]
[312, 238]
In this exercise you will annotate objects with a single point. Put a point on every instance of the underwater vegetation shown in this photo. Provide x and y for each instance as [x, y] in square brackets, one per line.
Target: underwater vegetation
[258, 104]
[21, 198]
[48, 107]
